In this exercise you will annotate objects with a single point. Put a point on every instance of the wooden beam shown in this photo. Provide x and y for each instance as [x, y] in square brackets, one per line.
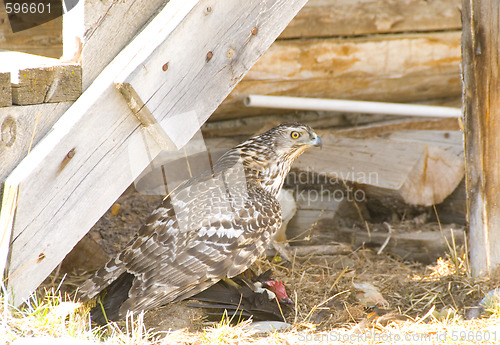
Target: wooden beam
[416, 167]
[5, 90]
[98, 147]
[329, 18]
[22, 128]
[153, 102]
[96, 46]
[393, 68]
[481, 61]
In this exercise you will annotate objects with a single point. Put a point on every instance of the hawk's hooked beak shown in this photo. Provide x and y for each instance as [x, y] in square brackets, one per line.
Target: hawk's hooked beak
[316, 141]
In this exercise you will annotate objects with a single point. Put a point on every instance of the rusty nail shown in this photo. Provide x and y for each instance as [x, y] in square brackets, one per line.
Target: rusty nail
[208, 9]
[165, 67]
[209, 55]
[71, 153]
[255, 30]
[41, 256]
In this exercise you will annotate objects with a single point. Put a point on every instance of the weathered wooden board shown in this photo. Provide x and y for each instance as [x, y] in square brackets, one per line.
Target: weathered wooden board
[98, 147]
[481, 61]
[399, 68]
[36, 79]
[153, 102]
[61, 83]
[98, 46]
[45, 39]
[20, 125]
[416, 167]
[5, 90]
[327, 18]
[382, 127]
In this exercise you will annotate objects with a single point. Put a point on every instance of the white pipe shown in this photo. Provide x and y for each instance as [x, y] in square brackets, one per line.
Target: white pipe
[321, 104]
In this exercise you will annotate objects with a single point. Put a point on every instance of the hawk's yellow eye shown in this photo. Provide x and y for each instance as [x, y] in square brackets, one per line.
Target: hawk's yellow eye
[295, 135]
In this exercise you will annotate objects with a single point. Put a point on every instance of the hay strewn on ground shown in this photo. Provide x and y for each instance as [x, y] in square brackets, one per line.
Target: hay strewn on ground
[422, 301]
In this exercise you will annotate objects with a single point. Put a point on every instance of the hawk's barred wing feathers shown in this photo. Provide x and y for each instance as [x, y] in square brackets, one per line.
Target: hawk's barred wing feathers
[212, 226]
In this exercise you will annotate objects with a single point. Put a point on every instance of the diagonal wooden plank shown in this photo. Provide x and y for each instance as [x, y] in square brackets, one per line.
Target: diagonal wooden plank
[225, 55]
[98, 147]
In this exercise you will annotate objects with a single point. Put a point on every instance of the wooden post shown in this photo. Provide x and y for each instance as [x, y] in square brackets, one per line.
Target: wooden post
[481, 61]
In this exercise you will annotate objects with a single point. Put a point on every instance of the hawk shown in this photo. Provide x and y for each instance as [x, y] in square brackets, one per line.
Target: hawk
[212, 226]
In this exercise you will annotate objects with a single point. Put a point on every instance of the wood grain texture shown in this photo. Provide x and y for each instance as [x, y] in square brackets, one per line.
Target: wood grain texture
[62, 83]
[382, 127]
[225, 57]
[416, 167]
[109, 26]
[327, 18]
[481, 61]
[19, 125]
[98, 147]
[5, 90]
[398, 68]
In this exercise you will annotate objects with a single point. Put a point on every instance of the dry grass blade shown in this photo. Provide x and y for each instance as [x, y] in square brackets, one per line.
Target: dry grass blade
[306, 319]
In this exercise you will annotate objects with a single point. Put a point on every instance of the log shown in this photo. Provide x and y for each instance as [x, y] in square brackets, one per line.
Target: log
[5, 90]
[394, 68]
[418, 245]
[383, 127]
[327, 18]
[481, 58]
[351, 125]
[415, 167]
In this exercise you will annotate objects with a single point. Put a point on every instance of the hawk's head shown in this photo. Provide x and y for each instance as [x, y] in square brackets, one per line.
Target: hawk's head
[290, 140]
[269, 156]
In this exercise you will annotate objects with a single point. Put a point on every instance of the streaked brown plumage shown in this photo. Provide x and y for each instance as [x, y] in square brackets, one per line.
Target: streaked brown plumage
[214, 225]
